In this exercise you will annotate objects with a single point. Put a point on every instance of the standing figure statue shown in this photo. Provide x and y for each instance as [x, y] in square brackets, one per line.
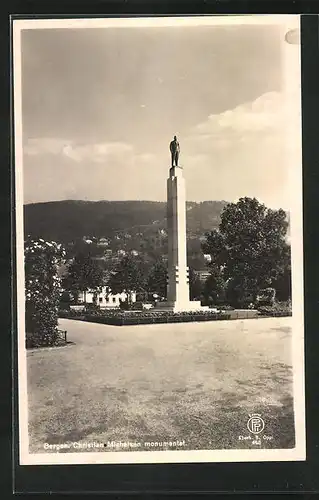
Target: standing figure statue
[175, 150]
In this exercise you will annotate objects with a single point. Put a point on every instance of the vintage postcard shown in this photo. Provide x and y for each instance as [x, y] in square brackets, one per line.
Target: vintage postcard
[158, 184]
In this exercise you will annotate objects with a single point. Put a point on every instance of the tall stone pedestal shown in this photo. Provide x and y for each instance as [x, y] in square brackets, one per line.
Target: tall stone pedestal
[178, 280]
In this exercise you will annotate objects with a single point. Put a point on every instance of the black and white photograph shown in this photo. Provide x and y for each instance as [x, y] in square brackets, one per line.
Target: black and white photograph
[159, 252]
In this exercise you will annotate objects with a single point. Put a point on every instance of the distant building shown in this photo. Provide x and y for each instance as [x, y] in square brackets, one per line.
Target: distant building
[87, 240]
[159, 239]
[103, 242]
[104, 298]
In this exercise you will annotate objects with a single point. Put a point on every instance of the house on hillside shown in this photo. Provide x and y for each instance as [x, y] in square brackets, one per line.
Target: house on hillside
[121, 252]
[103, 242]
[104, 298]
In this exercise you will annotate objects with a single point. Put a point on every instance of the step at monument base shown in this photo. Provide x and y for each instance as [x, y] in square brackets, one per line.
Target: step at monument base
[189, 306]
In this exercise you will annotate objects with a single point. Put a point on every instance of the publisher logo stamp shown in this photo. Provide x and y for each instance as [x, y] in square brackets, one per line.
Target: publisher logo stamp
[256, 437]
[255, 424]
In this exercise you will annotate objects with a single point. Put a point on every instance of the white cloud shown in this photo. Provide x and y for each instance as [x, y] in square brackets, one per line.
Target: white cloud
[146, 158]
[62, 169]
[240, 152]
[96, 153]
[264, 115]
[45, 145]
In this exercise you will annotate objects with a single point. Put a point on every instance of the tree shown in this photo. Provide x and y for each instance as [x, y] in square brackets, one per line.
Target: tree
[195, 285]
[128, 277]
[282, 284]
[157, 279]
[214, 288]
[43, 290]
[83, 274]
[249, 247]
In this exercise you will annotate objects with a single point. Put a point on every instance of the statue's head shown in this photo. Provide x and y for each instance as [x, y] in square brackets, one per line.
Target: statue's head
[175, 138]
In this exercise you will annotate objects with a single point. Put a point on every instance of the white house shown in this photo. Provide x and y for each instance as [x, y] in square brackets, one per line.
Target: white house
[105, 298]
[103, 242]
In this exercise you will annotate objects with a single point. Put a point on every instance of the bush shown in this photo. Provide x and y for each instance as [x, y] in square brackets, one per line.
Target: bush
[33, 340]
[125, 305]
[92, 308]
[266, 297]
[276, 310]
[43, 290]
[227, 307]
[136, 306]
[64, 306]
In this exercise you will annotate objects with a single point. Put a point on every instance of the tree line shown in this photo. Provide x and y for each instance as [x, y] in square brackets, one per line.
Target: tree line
[249, 252]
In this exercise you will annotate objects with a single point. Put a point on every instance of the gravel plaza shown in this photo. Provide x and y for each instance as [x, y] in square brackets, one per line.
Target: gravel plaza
[195, 384]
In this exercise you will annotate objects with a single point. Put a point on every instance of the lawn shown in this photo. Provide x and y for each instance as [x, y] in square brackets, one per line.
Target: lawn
[196, 382]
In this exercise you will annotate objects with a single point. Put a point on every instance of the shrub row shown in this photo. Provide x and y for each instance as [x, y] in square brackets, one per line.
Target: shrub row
[275, 314]
[276, 310]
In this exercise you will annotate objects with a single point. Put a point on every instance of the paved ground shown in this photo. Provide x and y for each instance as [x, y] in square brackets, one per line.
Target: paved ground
[193, 382]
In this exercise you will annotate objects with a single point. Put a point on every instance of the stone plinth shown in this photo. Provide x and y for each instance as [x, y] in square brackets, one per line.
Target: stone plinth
[187, 306]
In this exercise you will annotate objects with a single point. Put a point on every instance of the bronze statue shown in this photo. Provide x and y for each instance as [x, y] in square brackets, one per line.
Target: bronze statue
[175, 150]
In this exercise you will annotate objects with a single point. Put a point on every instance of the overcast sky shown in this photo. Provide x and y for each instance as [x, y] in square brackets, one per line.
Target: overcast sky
[100, 107]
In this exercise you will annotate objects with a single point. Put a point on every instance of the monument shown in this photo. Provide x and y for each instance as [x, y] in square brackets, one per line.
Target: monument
[178, 293]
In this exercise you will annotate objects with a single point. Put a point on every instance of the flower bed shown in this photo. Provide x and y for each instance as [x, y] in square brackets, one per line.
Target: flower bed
[121, 318]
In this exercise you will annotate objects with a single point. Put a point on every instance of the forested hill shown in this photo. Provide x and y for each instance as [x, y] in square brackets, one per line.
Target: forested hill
[66, 221]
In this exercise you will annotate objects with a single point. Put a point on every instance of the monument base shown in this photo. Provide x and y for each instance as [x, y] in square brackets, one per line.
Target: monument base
[189, 306]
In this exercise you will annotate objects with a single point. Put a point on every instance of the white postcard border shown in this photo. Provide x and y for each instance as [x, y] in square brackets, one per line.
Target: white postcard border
[292, 62]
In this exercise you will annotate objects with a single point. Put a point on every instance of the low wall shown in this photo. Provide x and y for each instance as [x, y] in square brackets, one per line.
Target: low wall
[243, 313]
